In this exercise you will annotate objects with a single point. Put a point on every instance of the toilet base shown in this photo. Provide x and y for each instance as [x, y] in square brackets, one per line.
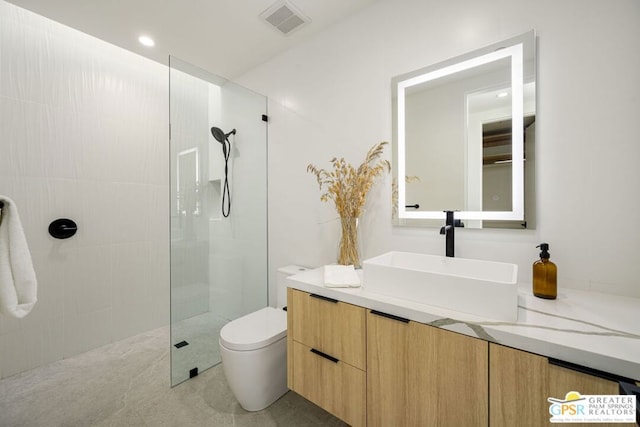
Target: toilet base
[257, 378]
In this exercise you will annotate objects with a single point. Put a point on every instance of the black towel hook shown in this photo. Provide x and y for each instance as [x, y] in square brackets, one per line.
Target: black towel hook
[62, 228]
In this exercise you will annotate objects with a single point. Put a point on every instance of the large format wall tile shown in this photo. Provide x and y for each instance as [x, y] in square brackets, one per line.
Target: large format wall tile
[85, 136]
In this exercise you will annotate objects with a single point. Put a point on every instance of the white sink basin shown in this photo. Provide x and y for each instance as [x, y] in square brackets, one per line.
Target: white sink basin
[482, 288]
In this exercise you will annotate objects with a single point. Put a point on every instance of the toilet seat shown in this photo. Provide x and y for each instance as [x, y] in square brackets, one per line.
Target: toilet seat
[255, 330]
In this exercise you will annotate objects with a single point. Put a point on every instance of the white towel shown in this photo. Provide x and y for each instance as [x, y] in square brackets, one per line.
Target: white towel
[18, 285]
[341, 276]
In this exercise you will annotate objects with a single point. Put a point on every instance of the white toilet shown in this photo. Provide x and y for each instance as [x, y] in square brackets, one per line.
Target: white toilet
[254, 351]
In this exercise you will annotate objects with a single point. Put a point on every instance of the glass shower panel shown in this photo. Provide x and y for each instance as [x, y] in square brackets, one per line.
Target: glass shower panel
[218, 262]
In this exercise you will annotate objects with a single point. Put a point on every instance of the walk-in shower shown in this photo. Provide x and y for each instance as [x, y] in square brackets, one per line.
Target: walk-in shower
[218, 256]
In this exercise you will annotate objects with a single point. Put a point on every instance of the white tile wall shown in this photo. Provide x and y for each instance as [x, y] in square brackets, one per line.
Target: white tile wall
[84, 136]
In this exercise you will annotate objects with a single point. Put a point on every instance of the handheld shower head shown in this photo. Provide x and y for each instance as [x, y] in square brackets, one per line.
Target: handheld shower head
[223, 138]
[219, 134]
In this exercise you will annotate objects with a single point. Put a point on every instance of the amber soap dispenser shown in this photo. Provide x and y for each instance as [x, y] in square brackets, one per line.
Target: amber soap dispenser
[545, 273]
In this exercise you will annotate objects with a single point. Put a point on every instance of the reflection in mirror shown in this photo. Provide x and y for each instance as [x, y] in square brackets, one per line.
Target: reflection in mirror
[453, 140]
[188, 183]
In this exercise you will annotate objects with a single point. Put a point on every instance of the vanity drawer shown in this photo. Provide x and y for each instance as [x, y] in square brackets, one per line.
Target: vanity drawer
[333, 327]
[335, 386]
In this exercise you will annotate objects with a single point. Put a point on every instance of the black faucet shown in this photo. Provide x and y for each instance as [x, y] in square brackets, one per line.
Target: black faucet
[447, 230]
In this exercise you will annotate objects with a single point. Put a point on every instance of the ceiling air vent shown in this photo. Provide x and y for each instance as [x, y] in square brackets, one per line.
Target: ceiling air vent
[284, 17]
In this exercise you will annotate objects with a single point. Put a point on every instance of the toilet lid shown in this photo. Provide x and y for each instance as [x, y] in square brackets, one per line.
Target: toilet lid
[255, 330]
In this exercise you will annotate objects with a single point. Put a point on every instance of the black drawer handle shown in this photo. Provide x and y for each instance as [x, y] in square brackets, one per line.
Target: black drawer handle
[325, 355]
[322, 297]
[589, 371]
[389, 316]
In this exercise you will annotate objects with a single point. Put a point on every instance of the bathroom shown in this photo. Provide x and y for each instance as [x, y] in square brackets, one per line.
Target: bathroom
[330, 96]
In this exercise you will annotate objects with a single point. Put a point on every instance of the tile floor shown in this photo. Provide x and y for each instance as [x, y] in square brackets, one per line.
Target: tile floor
[127, 384]
[201, 332]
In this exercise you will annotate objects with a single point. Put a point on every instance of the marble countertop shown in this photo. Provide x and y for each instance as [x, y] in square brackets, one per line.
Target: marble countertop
[596, 330]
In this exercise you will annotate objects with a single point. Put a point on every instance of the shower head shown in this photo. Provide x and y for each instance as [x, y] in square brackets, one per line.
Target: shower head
[223, 138]
[219, 134]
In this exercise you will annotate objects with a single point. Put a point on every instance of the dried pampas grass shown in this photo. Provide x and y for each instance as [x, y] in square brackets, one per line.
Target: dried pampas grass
[348, 186]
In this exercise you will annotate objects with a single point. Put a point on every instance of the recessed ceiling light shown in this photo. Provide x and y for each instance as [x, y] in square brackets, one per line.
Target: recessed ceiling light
[502, 94]
[146, 41]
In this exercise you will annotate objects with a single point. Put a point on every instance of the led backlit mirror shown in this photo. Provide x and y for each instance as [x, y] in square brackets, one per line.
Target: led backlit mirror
[464, 138]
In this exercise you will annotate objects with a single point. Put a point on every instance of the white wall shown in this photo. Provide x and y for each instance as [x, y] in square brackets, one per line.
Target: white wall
[331, 97]
[84, 136]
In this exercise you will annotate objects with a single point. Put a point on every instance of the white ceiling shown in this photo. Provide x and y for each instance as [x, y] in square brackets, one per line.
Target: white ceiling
[225, 37]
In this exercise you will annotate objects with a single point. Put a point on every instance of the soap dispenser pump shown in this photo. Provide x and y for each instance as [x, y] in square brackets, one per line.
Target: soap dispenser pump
[545, 275]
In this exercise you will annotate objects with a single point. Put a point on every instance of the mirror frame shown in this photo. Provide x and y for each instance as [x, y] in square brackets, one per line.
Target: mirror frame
[514, 49]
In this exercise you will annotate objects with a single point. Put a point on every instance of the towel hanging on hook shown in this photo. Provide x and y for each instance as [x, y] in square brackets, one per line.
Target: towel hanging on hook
[18, 284]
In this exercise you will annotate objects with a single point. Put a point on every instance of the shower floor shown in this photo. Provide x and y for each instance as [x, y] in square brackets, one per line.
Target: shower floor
[127, 383]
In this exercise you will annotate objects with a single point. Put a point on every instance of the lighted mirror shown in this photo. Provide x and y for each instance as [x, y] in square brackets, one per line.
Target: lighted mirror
[464, 138]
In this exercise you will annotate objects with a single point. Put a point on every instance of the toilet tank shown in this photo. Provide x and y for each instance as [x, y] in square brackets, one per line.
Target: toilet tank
[281, 281]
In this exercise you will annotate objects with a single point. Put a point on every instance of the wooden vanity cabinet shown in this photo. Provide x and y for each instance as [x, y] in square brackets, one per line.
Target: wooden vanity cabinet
[331, 326]
[419, 375]
[388, 369]
[337, 387]
[371, 368]
[563, 379]
[326, 354]
[518, 388]
[520, 384]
